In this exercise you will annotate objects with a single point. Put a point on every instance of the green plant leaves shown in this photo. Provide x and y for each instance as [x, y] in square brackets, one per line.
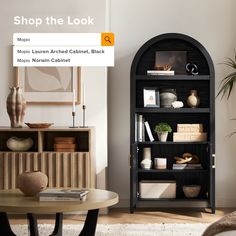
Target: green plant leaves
[227, 83]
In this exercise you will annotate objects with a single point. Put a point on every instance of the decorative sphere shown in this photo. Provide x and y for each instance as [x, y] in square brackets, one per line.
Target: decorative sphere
[31, 183]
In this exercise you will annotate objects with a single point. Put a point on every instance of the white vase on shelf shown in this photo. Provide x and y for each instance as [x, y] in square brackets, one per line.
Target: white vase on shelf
[146, 163]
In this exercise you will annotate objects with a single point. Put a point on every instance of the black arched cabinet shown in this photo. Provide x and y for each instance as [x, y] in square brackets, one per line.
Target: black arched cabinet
[203, 82]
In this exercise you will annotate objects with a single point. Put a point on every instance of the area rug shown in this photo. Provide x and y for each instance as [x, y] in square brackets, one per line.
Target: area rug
[122, 229]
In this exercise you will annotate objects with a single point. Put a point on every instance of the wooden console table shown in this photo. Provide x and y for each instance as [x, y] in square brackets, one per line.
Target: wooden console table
[15, 202]
[64, 169]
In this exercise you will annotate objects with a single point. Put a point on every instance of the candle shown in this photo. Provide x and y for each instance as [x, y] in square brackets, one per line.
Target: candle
[83, 98]
[73, 105]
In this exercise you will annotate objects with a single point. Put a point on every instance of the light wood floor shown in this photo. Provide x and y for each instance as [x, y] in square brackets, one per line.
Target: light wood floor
[122, 216]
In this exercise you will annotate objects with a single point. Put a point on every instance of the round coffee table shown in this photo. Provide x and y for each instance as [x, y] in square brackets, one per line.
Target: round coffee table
[15, 202]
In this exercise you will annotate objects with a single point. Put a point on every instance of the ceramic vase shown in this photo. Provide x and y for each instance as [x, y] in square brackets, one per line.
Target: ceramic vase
[167, 97]
[162, 136]
[16, 106]
[193, 100]
[31, 183]
[146, 163]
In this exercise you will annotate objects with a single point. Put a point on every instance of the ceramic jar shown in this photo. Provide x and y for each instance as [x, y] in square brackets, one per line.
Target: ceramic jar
[16, 106]
[146, 163]
[193, 100]
[167, 97]
[31, 183]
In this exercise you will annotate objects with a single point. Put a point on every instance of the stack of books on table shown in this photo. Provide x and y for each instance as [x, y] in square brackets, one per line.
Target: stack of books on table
[63, 194]
[160, 72]
[187, 167]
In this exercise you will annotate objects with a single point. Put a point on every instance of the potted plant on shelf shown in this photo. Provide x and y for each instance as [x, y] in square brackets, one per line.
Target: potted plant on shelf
[162, 129]
[227, 83]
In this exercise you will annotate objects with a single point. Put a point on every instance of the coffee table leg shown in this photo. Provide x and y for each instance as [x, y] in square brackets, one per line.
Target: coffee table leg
[90, 223]
[58, 225]
[5, 228]
[33, 225]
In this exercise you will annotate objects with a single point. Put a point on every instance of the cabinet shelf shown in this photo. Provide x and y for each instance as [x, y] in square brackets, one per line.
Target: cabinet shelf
[172, 143]
[172, 110]
[172, 77]
[204, 200]
[173, 171]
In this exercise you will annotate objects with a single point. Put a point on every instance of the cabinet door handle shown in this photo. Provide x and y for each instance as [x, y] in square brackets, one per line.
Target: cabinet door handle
[213, 161]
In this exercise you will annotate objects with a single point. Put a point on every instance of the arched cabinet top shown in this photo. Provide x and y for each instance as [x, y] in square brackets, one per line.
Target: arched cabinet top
[196, 53]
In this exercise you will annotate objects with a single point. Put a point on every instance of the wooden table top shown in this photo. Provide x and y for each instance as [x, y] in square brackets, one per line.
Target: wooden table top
[14, 201]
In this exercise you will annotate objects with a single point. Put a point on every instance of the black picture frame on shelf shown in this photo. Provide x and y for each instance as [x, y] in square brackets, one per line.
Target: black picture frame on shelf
[151, 97]
[174, 60]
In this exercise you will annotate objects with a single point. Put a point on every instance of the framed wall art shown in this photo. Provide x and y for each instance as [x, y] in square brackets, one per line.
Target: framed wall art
[49, 84]
[151, 97]
[171, 60]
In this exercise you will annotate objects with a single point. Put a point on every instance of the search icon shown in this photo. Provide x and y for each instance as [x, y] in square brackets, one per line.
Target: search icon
[107, 39]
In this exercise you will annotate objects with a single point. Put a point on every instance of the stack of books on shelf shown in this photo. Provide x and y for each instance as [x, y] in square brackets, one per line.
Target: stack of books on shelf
[189, 133]
[160, 72]
[64, 144]
[63, 194]
[187, 167]
[140, 126]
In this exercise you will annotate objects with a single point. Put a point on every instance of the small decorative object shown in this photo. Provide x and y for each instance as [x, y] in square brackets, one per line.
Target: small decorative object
[167, 97]
[84, 108]
[166, 67]
[177, 104]
[187, 158]
[162, 129]
[171, 60]
[193, 100]
[151, 97]
[191, 191]
[31, 183]
[73, 100]
[16, 106]
[160, 163]
[192, 69]
[19, 144]
[146, 163]
[39, 125]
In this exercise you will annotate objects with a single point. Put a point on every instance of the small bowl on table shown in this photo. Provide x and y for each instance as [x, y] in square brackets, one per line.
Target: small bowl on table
[191, 191]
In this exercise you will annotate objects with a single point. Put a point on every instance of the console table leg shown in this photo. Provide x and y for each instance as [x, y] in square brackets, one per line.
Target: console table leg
[5, 228]
[33, 225]
[58, 225]
[90, 223]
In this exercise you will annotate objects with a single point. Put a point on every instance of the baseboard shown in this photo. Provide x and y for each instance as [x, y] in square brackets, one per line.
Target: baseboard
[226, 202]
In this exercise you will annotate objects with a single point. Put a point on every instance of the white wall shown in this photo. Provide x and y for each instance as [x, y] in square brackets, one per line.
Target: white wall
[95, 78]
[212, 23]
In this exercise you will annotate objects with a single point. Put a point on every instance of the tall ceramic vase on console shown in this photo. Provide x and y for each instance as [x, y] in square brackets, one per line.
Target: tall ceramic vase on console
[16, 106]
